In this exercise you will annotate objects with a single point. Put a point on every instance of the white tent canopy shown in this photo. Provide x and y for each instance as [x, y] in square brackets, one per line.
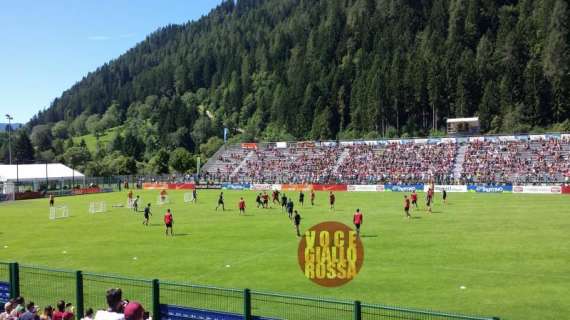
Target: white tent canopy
[37, 171]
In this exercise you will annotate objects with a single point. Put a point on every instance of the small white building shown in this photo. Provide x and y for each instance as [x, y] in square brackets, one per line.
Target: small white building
[463, 126]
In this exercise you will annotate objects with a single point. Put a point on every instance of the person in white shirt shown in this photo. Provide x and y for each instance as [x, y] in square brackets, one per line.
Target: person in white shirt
[116, 306]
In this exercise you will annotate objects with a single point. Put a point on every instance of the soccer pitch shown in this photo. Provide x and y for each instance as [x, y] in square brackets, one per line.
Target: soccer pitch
[511, 252]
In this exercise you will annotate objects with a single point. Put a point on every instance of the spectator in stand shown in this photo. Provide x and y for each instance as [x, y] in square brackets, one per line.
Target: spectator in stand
[47, 314]
[116, 306]
[61, 313]
[19, 307]
[31, 312]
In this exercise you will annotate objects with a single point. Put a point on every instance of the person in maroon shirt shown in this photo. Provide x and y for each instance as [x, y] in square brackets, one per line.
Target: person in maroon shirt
[241, 206]
[61, 313]
[414, 197]
[357, 220]
[168, 220]
[312, 197]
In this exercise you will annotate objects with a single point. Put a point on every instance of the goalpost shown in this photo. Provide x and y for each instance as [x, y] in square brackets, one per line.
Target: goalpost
[98, 207]
[60, 212]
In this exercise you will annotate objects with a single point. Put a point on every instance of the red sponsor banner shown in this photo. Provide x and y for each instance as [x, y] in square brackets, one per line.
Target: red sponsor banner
[155, 186]
[28, 195]
[169, 186]
[249, 145]
[566, 188]
[330, 187]
[86, 190]
[296, 187]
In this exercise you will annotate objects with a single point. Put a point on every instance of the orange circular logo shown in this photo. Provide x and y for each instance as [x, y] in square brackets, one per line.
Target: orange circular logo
[330, 254]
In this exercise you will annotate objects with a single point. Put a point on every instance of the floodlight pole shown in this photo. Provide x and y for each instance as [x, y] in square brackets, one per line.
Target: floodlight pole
[9, 117]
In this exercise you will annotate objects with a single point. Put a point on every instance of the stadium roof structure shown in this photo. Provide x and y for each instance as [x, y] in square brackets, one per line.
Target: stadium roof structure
[37, 172]
[454, 120]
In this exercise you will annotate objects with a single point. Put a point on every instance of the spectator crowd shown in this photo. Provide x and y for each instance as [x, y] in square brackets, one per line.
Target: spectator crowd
[118, 309]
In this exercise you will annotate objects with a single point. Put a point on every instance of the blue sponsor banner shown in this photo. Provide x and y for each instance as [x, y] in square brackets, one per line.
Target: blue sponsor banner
[492, 139]
[236, 186]
[522, 137]
[490, 188]
[170, 312]
[4, 293]
[404, 187]
[434, 141]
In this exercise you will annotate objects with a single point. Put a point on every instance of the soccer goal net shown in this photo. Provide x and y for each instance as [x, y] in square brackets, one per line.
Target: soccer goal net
[188, 197]
[98, 207]
[7, 191]
[60, 212]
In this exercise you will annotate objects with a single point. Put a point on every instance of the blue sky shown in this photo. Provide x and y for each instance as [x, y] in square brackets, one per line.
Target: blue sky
[47, 46]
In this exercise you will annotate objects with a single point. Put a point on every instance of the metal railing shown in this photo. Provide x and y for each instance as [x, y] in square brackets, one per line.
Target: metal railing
[87, 290]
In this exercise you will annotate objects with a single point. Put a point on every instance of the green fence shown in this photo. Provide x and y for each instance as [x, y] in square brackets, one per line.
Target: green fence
[46, 286]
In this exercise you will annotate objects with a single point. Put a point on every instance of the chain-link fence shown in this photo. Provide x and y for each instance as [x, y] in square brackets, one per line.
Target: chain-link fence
[47, 286]
[180, 301]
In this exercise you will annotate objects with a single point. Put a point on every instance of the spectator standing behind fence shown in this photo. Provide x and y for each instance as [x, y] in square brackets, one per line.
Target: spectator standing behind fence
[8, 307]
[47, 314]
[116, 306]
[134, 311]
[88, 314]
[31, 312]
[61, 313]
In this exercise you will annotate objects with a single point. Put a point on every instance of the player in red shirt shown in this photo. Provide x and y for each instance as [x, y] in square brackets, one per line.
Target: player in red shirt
[414, 197]
[241, 206]
[276, 196]
[312, 197]
[168, 220]
[265, 200]
[331, 200]
[130, 198]
[162, 195]
[357, 220]
[407, 206]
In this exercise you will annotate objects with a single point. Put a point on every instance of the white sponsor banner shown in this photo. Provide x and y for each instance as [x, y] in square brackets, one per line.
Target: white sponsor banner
[537, 137]
[448, 188]
[507, 138]
[476, 139]
[281, 145]
[263, 186]
[329, 143]
[366, 188]
[371, 143]
[421, 141]
[538, 189]
[275, 187]
[565, 136]
[394, 141]
[448, 140]
[346, 143]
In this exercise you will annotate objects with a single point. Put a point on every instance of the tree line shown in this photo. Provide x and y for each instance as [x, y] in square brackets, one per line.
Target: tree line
[309, 69]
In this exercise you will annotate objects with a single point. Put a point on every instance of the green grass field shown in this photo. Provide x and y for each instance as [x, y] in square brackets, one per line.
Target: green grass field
[511, 252]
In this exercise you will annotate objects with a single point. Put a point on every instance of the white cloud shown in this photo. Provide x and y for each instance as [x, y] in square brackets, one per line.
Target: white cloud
[99, 38]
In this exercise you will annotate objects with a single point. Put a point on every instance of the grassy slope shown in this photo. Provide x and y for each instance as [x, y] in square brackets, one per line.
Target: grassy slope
[91, 141]
[510, 251]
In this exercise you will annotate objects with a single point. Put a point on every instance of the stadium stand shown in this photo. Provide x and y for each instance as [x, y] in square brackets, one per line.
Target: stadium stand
[484, 160]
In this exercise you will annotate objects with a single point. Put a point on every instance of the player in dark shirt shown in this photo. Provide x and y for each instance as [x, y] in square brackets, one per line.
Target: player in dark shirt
[147, 214]
[283, 202]
[331, 200]
[258, 200]
[297, 222]
[407, 206]
[290, 208]
[301, 198]
[312, 197]
[221, 202]
[444, 195]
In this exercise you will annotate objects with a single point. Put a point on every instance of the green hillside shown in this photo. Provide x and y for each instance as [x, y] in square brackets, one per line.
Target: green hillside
[91, 139]
[326, 69]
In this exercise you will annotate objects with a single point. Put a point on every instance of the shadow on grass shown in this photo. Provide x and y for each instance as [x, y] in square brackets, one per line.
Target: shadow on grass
[416, 218]
[369, 236]
[181, 234]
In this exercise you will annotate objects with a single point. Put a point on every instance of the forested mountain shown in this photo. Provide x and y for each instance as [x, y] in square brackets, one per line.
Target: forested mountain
[317, 69]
